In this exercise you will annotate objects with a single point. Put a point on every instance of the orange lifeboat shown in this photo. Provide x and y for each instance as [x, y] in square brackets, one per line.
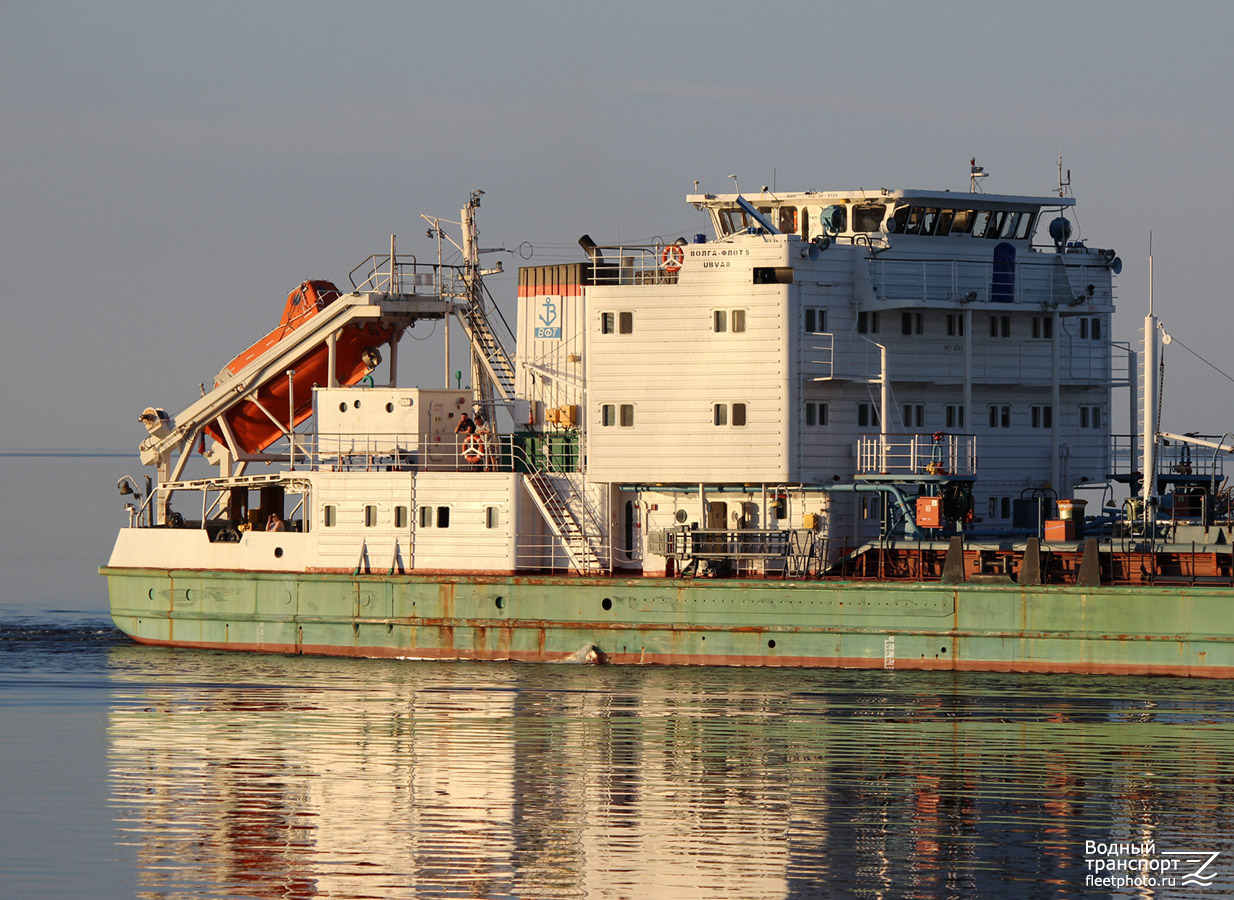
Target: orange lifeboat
[356, 354]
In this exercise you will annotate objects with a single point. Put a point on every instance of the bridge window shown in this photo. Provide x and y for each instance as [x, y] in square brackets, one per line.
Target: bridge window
[868, 217]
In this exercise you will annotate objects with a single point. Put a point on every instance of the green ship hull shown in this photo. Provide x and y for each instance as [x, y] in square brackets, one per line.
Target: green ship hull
[1161, 630]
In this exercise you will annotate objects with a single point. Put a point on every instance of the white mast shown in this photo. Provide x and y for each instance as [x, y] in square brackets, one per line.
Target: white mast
[1151, 387]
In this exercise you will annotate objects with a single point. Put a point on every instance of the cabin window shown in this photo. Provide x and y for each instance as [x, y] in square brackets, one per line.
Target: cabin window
[955, 324]
[738, 321]
[867, 415]
[627, 415]
[1090, 329]
[868, 217]
[608, 323]
[816, 414]
[1000, 326]
[719, 414]
[913, 415]
[443, 517]
[1000, 416]
[912, 323]
[719, 321]
[329, 516]
[370, 516]
[608, 414]
[490, 517]
[625, 323]
[1041, 417]
[953, 416]
[1043, 327]
[1090, 416]
[816, 321]
[867, 323]
[426, 517]
[788, 220]
[1000, 507]
[739, 415]
[400, 517]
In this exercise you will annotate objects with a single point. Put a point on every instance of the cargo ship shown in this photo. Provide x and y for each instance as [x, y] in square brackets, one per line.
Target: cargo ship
[849, 428]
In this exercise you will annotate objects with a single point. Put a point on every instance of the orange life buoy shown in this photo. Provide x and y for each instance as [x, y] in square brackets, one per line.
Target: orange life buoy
[473, 448]
[671, 258]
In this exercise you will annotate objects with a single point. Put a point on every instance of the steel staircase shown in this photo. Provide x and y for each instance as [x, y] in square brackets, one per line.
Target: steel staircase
[583, 554]
[493, 356]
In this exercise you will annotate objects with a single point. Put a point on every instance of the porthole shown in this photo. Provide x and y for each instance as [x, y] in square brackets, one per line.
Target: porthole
[771, 644]
[342, 407]
[278, 552]
[389, 407]
[681, 516]
[606, 603]
[356, 404]
[500, 602]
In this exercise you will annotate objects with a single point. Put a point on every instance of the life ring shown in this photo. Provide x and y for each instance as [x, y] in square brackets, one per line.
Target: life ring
[473, 448]
[671, 258]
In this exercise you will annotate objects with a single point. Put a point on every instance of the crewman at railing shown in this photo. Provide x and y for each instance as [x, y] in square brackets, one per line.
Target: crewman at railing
[483, 434]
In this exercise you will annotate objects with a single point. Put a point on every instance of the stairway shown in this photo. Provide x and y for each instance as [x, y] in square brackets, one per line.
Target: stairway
[488, 348]
[584, 556]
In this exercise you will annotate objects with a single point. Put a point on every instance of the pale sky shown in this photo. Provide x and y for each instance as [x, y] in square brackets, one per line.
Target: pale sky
[172, 170]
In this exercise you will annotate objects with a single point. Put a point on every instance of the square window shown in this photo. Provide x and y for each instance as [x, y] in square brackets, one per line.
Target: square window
[627, 415]
[443, 517]
[370, 516]
[625, 323]
[400, 517]
[719, 413]
[608, 323]
[608, 414]
[738, 321]
[719, 321]
[329, 517]
[490, 517]
[739, 415]
[426, 517]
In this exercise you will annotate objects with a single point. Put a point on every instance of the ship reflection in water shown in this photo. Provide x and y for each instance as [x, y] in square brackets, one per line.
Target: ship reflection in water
[289, 777]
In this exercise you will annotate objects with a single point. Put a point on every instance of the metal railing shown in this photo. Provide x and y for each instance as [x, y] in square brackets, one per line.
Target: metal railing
[973, 281]
[917, 454]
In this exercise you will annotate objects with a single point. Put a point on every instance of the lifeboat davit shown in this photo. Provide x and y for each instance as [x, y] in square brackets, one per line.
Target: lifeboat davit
[356, 354]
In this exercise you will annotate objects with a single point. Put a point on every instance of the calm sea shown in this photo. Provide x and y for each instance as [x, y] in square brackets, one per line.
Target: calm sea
[138, 772]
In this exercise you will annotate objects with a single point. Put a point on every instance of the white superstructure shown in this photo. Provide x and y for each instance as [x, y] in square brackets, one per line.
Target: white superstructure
[730, 383]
